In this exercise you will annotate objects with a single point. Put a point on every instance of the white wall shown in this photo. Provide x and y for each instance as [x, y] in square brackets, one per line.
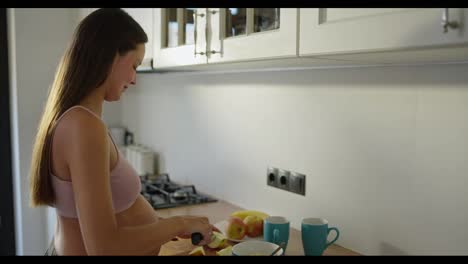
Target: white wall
[38, 38]
[111, 114]
[385, 149]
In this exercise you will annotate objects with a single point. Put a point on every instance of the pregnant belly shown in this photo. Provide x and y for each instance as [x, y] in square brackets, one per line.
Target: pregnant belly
[68, 236]
[140, 213]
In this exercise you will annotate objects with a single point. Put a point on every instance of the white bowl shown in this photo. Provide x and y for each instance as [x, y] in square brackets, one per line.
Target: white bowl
[255, 248]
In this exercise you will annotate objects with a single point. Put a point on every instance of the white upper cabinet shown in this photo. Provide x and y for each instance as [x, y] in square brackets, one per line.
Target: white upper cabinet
[329, 32]
[83, 12]
[144, 17]
[242, 34]
[179, 37]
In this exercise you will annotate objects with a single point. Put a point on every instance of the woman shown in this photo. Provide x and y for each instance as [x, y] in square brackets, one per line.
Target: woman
[76, 166]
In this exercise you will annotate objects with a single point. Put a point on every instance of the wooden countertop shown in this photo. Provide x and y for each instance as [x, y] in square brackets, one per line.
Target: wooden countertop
[219, 211]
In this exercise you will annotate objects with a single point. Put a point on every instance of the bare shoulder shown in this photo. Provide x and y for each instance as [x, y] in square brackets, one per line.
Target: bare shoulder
[79, 122]
[80, 128]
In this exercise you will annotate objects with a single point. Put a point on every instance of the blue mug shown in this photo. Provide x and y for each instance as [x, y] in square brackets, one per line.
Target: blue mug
[314, 236]
[276, 230]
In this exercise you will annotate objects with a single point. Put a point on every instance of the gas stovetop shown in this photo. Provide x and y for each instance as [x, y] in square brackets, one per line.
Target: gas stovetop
[161, 192]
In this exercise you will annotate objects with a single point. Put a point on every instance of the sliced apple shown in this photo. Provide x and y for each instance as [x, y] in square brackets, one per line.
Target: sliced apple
[227, 251]
[217, 240]
[198, 251]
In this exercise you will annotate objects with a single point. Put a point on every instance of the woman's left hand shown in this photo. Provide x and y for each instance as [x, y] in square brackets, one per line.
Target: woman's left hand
[213, 228]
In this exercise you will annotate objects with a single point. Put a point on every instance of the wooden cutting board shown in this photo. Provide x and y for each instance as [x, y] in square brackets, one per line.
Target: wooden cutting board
[182, 247]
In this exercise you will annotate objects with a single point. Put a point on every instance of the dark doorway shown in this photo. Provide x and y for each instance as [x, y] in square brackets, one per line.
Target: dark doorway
[7, 223]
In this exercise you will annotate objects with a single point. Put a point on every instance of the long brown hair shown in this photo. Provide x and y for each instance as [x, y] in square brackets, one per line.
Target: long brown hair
[85, 66]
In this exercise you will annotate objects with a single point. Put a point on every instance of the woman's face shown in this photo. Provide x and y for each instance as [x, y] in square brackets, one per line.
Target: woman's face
[123, 73]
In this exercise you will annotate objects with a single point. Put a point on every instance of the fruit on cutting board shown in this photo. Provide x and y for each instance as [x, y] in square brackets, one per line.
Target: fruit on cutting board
[254, 225]
[244, 213]
[235, 229]
[198, 251]
[227, 251]
[217, 240]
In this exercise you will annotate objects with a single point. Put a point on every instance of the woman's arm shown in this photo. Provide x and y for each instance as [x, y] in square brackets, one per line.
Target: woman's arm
[88, 161]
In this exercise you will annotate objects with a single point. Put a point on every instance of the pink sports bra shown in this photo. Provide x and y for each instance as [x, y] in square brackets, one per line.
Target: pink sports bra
[125, 184]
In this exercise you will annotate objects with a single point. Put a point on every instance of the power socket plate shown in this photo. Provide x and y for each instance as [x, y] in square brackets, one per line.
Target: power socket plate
[283, 179]
[297, 183]
[272, 177]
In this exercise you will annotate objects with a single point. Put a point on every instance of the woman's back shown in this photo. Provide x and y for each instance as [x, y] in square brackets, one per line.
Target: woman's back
[135, 211]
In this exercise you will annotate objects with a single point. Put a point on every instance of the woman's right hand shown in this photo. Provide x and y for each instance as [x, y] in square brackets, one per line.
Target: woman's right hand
[197, 224]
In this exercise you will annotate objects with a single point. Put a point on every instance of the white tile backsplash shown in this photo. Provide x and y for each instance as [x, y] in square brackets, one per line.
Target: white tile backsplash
[384, 149]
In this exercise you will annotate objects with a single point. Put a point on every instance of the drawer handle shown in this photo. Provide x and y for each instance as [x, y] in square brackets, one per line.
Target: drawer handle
[446, 23]
[208, 34]
[195, 18]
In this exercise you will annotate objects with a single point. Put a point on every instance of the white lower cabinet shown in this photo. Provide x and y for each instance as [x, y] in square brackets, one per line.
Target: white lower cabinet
[383, 34]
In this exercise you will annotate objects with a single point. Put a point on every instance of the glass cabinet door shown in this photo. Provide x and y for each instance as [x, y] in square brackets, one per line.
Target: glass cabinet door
[239, 34]
[236, 22]
[179, 37]
[179, 27]
[266, 19]
[188, 25]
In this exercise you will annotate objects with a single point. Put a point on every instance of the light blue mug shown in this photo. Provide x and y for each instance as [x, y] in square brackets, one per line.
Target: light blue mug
[276, 230]
[314, 236]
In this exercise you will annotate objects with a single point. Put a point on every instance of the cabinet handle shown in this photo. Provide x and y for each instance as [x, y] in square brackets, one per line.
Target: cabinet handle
[195, 18]
[446, 23]
[212, 12]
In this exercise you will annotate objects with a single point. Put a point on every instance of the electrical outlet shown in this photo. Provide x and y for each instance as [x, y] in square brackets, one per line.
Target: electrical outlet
[297, 183]
[272, 176]
[283, 179]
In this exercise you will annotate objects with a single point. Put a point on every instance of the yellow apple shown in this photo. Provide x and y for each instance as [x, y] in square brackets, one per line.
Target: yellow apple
[235, 229]
[254, 225]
